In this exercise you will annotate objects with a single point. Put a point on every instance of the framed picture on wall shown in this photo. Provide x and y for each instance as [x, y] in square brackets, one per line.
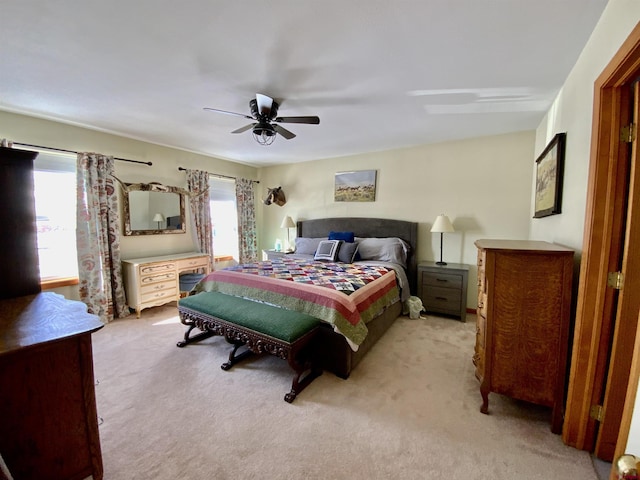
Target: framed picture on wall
[357, 186]
[549, 174]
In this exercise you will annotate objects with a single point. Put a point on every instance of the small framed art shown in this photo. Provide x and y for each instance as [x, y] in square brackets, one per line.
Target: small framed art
[549, 175]
[357, 186]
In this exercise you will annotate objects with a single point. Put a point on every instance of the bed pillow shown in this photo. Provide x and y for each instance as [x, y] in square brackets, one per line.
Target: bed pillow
[344, 236]
[348, 252]
[328, 250]
[307, 246]
[390, 249]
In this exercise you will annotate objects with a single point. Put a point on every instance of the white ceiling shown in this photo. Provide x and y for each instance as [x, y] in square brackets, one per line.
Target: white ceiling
[380, 74]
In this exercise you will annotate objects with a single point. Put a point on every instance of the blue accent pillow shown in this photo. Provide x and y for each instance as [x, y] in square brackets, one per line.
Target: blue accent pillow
[348, 237]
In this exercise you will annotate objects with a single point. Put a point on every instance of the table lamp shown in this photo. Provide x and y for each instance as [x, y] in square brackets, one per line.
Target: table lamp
[158, 218]
[287, 222]
[442, 225]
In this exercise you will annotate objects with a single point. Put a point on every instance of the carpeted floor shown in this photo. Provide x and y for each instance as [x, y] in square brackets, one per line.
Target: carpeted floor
[409, 410]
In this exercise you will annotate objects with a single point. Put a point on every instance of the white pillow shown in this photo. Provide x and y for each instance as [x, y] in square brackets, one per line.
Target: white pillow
[328, 250]
[389, 249]
[307, 246]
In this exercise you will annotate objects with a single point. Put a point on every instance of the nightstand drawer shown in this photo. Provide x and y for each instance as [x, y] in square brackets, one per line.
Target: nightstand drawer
[446, 280]
[442, 299]
[273, 254]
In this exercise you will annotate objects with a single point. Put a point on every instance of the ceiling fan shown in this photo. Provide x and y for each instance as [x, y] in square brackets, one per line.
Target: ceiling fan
[263, 112]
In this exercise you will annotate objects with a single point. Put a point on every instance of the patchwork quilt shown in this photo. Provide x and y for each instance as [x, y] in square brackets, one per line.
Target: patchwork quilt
[343, 295]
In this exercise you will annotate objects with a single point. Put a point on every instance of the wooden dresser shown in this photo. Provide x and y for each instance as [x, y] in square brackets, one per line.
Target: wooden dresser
[524, 303]
[48, 419]
[154, 281]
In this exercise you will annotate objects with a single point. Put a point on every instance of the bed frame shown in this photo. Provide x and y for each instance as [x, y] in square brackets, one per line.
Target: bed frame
[331, 350]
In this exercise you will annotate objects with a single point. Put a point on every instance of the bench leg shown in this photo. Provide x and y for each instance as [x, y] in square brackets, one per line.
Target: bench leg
[233, 358]
[196, 338]
[306, 372]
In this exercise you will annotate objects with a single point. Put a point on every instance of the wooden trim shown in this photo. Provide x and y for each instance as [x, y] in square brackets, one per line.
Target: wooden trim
[56, 282]
[593, 300]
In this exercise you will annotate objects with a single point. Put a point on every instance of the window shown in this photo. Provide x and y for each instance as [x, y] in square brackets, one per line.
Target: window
[224, 217]
[55, 198]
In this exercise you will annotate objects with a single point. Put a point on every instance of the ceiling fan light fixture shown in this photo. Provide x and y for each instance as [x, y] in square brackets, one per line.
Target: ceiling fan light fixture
[264, 133]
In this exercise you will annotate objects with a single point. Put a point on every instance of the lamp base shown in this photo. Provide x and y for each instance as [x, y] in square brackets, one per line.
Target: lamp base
[441, 263]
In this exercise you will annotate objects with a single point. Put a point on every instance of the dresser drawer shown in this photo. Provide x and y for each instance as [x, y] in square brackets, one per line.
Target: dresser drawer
[157, 268]
[448, 280]
[159, 277]
[481, 330]
[193, 263]
[156, 287]
[160, 295]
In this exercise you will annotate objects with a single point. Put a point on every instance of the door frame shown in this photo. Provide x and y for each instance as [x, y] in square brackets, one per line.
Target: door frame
[586, 374]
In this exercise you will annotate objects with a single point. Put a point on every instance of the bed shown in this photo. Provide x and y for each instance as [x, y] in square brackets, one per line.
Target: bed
[335, 354]
[378, 300]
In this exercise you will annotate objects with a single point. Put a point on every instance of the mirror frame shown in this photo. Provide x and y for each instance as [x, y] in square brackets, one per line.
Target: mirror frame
[152, 187]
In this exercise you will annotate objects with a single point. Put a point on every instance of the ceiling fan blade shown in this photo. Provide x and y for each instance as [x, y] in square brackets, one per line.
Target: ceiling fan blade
[264, 104]
[284, 132]
[229, 113]
[245, 128]
[309, 120]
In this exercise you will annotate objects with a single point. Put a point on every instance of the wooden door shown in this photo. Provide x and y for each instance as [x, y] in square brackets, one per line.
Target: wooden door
[603, 235]
[627, 305]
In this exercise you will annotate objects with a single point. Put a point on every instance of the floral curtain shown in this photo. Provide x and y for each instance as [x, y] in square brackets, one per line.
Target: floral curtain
[247, 238]
[98, 238]
[198, 186]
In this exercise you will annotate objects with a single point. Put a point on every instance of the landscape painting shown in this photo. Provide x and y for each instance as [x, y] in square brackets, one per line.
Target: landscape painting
[549, 173]
[359, 186]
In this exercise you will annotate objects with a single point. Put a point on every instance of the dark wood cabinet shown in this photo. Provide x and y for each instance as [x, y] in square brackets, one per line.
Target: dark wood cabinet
[18, 243]
[522, 334]
[48, 418]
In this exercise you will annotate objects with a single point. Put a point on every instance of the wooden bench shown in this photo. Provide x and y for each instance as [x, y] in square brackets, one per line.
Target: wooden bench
[259, 327]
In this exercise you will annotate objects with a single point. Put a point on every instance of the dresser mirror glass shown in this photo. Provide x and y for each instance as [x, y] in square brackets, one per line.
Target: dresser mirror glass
[153, 209]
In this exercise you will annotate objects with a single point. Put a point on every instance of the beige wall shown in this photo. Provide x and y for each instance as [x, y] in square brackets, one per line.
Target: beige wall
[572, 113]
[482, 184]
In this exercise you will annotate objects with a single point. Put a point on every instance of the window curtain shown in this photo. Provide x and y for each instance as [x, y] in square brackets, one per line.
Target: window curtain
[247, 237]
[198, 186]
[98, 238]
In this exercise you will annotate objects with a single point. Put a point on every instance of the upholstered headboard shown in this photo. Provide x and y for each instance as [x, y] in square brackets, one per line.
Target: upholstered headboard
[368, 227]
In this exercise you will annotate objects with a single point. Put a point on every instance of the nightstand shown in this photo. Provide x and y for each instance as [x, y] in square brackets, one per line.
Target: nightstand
[273, 254]
[443, 288]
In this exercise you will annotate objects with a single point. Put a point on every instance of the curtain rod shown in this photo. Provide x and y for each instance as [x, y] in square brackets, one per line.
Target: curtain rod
[182, 169]
[73, 151]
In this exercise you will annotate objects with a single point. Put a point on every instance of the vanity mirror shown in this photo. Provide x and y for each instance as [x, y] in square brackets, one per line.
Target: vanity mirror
[153, 208]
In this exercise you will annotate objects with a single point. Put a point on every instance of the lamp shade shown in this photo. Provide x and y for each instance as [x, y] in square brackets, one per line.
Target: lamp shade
[158, 218]
[442, 224]
[287, 222]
